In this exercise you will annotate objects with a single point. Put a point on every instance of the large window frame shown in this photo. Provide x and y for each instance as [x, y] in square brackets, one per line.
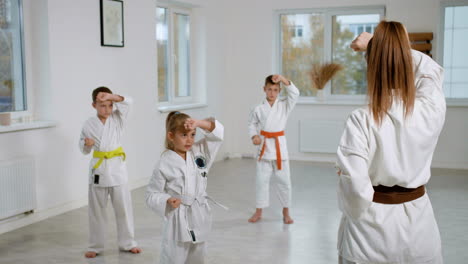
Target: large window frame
[172, 98]
[19, 80]
[451, 101]
[328, 13]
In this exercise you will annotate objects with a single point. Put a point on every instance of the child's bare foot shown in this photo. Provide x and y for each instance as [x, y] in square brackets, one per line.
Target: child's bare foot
[135, 250]
[288, 220]
[256, 216]
[90, 254]
[286, 217]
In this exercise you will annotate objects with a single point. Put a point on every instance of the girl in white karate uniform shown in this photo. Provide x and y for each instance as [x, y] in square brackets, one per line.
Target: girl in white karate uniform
[385, 154]
[177, 189]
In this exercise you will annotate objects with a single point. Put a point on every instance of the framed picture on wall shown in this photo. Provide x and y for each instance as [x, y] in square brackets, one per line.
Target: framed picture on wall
[112, 23]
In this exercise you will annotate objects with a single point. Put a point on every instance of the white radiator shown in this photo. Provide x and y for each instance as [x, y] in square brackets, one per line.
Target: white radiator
[17, 187]
[319, 136]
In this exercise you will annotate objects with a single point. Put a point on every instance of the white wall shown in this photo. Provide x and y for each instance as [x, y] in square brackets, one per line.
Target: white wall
[233, 54]
[64, 63]
[250, 54]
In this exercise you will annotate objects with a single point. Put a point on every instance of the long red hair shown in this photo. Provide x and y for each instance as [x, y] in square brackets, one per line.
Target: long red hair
[389, 70]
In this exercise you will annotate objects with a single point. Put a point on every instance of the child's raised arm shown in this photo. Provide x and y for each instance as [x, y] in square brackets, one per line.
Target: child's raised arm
[123, 107]
[214, 135]
[122, 103]
[102, 97]
[292, 93]
[205, 124]
[280, 78]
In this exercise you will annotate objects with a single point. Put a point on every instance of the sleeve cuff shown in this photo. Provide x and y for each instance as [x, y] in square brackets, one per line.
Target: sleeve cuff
[127, 100]
[218, 131]
[292, 88]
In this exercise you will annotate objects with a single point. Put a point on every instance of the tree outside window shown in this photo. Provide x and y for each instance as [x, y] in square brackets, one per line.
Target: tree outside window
[12, 95]
[339, 28]
[173, 51]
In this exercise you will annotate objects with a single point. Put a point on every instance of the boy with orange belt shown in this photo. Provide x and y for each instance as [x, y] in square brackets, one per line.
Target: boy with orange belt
[266, 129]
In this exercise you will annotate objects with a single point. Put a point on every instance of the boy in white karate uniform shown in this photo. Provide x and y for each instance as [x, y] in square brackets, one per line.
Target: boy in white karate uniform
[108, 171]
[267, 122]
[385, 154]
[177, 189]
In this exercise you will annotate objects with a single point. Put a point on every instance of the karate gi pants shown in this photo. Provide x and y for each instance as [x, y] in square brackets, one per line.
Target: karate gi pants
[282, 183]
[122, 203]
[176, 252]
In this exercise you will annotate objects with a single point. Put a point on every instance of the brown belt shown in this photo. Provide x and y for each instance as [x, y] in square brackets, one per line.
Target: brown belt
[396, 194]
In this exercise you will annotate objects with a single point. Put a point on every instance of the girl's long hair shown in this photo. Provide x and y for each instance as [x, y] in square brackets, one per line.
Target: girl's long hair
[389, 70]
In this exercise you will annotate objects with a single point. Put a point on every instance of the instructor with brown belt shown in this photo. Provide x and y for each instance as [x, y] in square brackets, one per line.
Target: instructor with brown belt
[385, 154]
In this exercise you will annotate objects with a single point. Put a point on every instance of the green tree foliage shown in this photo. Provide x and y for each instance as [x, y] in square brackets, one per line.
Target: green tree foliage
[352, 79]
[298, 56]
[161, 47]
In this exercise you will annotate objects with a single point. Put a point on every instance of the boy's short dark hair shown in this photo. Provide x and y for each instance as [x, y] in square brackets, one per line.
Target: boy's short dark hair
[101, 89]
[269, 80]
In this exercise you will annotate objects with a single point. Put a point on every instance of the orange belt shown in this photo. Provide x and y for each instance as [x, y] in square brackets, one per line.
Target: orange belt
[274, 135]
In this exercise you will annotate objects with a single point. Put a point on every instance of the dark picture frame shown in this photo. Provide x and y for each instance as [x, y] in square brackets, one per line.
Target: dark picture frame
[112, 23]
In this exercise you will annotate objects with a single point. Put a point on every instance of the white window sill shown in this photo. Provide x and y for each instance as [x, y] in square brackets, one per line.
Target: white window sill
[173, 107]
[27, 126]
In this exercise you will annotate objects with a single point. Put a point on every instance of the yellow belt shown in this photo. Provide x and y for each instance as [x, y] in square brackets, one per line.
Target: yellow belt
[101, 155]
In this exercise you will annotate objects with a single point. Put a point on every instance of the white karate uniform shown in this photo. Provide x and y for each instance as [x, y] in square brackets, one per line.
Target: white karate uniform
[112, 179]
[399, 152]
[273, 119]
[187, 180]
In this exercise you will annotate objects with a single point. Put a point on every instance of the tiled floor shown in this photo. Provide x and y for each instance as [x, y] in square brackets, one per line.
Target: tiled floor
[312, 239]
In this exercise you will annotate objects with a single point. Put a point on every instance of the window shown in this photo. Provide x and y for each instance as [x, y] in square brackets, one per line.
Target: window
[352, 80]
[297, 55]
[359, 28]
[12, 87]
[455, 56]
[299, 32]
[173, 49]
[296, 31]
[326, 36]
